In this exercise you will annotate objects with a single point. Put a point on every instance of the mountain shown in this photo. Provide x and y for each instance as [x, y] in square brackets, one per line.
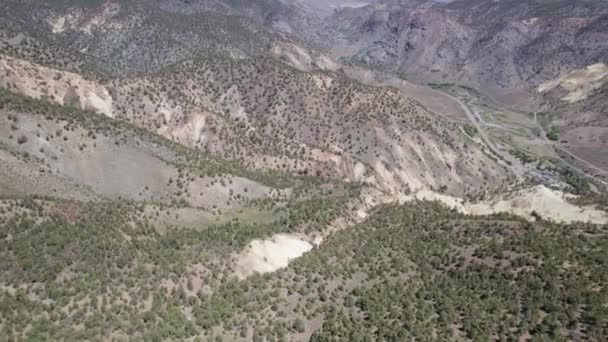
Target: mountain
[504, 48]
[143, 36]
[268, 115]
[252, 109]
[297, 170]
[526, 56]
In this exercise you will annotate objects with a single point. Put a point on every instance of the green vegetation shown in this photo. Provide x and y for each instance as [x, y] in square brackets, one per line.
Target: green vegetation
[441, 86]
[471, 90]
[402, 76]
[428, 272]
[553, 134]
[96, 264]
[470, 130]
[523, 156]
[578, 183]
[406, 273]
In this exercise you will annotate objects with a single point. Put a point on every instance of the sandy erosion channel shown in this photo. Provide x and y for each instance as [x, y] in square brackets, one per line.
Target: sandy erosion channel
[264, 256]
[549, 204]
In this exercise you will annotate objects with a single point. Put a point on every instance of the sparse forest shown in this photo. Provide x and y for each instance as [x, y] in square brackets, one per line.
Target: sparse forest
[278, 171]
[90, 271]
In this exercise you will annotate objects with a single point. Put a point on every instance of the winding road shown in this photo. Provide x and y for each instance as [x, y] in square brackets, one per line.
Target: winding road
[478, 121]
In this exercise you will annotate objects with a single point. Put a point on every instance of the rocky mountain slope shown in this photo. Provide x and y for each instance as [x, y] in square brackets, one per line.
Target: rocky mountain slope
[55, 151]
[137, 37]
[270, 116]
[503, 48]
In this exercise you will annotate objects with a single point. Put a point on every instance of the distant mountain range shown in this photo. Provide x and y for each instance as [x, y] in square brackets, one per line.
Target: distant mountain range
[504, 48]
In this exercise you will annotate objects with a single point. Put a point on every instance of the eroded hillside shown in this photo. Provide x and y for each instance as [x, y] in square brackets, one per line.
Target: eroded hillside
[270, 116]
[210, 170]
